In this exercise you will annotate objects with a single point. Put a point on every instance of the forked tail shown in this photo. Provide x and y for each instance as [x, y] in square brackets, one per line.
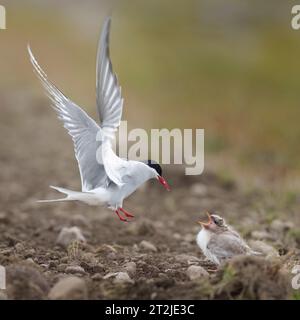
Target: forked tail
[62, 190]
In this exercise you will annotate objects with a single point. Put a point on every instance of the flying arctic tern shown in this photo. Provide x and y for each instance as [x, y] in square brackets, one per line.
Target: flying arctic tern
[106, 179]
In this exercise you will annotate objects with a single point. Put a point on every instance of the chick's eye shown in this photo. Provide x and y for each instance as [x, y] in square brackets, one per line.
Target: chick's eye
[218, 222]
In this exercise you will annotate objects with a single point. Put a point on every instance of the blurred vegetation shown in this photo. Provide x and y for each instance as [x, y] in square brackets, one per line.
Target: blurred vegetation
[230, 67]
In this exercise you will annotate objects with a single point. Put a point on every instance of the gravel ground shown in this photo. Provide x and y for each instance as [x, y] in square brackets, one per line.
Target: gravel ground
[153, 257]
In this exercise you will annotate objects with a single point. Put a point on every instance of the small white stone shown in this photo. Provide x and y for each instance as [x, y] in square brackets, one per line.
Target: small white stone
[196, 272]
[148, 246]
[187, 258]
[123, 277]
[69, 288]
[68, 235]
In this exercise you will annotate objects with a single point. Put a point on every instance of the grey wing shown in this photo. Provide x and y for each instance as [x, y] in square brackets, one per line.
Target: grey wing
[227, 245]
[82, 129]
[108, 91]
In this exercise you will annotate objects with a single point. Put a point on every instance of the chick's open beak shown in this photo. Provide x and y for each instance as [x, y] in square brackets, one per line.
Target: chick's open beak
[205, 224]
[164, 183]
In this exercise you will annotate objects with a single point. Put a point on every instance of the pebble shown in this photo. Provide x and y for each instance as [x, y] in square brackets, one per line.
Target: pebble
[122, 277]
[19, 247]
[196, 272]
[148, 246]
[97, 276]
[68, 235]
[119, 277]
[130, 267]
[25, 281]
[69, 288]
[62, 267]
[75, 269]
[31, 261]
[187, 258]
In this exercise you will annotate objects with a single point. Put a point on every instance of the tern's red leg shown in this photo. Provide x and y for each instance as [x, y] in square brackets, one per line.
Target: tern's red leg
[120, 217]
[127, 214]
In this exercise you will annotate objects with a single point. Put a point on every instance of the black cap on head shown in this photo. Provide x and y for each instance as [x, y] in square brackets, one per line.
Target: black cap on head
[154, 165]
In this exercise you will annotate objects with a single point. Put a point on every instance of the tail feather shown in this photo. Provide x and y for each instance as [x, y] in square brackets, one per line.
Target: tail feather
[62, 190]
[53, 200]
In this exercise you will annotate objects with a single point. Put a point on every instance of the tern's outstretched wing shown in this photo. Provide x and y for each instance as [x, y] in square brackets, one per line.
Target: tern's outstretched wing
[82, 129]
[108, 91]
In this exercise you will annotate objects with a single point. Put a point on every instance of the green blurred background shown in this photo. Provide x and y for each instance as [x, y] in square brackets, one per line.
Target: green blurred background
[230, 67]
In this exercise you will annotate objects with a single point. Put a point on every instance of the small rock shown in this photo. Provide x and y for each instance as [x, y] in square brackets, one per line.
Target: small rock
[106, 249]
[31, 261]
[68, 235]
[281, 226]
[123, 277]
[119, 277]
[30, 253]
[64, 259]
[110, 275]
[198, 189]
[24, 281]
[195, 272]
[130, 267]
[187, 258]
[97, 276]
[148, 246]
[19, 247]
[70, 288]
[75, 269]
[62, 267]
[264, 248]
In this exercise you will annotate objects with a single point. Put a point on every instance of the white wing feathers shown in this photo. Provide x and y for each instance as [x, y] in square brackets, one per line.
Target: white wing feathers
[84, 130]
[81, 128]
[108, 91]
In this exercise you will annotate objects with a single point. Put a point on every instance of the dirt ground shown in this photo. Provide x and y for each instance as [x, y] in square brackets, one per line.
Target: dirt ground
[36, 152]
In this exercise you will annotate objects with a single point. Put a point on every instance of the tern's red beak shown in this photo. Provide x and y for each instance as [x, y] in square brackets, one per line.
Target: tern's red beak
[205, 224]
[164, 183]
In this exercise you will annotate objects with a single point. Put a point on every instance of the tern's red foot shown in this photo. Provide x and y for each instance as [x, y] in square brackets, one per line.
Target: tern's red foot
[127, 214]
[120, 217]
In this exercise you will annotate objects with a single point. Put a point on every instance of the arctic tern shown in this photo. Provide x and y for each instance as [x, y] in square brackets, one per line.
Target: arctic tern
[106, 179]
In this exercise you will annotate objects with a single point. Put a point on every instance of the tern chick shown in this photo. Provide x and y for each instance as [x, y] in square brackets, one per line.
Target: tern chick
[220, 242]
